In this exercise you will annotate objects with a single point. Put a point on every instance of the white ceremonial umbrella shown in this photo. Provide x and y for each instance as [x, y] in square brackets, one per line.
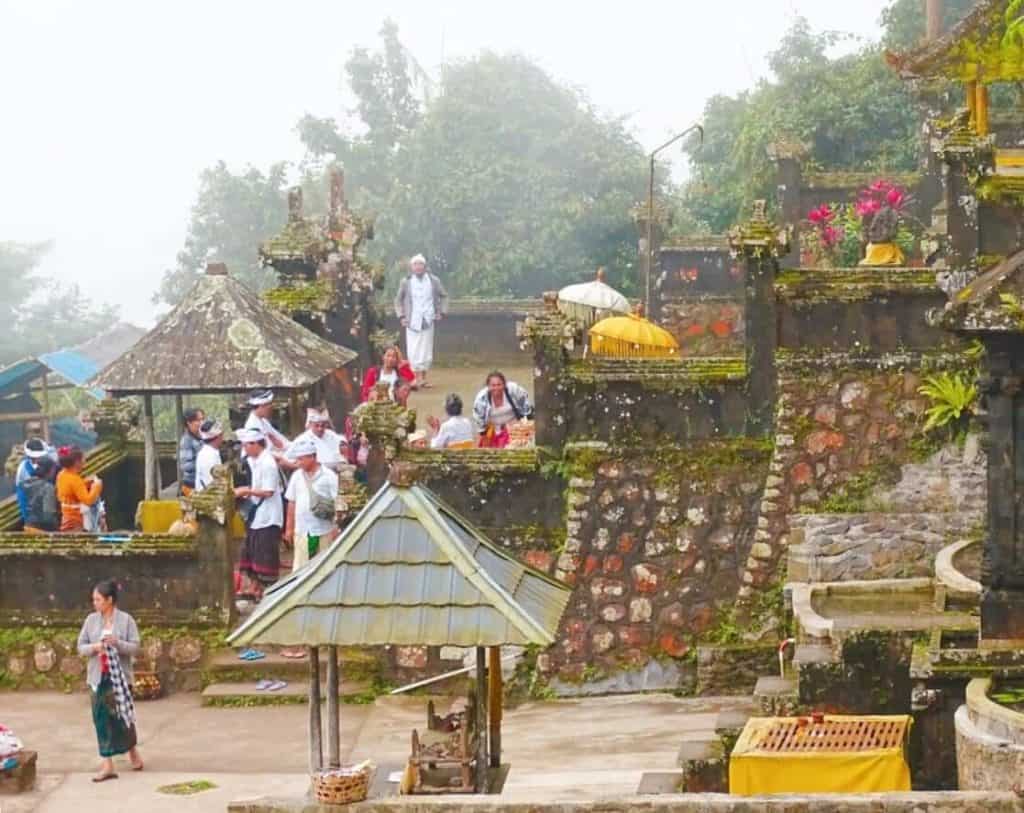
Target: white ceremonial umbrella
[587, 302]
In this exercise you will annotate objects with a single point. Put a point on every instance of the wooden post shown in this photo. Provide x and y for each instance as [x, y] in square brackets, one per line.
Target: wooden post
[981, 109]
[333, 714]
[481, 720]
[152, 464]
[179, 424]
[46, 409]
[494, 702]
[296, 421]
[971, 89]
[933, 16]
[316, 751]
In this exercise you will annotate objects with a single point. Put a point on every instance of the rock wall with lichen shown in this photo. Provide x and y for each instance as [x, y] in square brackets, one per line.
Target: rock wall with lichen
[655, 540]
[844, 425]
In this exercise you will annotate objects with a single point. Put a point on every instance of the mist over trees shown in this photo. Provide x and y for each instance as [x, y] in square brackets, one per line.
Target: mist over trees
[512, 183]
[40, 316]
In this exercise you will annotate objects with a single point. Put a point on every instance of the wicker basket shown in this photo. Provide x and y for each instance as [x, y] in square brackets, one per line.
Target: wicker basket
[147, 686]
[344, 785]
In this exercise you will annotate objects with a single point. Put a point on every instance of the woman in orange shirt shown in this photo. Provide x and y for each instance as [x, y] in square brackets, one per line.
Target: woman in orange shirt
[73, 490]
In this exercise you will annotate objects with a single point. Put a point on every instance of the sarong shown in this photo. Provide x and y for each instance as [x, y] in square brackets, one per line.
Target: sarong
[112, 735]
[420, 344]
[260, 554]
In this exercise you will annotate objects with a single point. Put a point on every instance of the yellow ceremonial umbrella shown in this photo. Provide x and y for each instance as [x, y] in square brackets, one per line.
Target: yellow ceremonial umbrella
[631, 336]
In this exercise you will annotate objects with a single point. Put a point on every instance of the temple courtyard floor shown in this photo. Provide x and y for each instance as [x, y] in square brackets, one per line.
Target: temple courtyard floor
[572, 749]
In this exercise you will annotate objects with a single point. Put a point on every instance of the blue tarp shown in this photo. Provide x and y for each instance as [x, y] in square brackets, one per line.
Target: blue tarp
[71, 366]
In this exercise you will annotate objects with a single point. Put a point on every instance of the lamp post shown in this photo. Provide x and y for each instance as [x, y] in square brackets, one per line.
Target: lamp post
[650, 210]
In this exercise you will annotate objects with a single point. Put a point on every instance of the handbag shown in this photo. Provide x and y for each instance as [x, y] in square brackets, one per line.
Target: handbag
[320, 506]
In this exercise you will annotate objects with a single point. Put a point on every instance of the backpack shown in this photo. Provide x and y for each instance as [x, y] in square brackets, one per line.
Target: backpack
[43, 512]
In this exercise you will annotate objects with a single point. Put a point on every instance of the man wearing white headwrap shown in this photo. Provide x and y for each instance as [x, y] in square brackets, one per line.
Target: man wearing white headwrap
[327, 442]
[420, 303]
[212, 434]
[262, 403]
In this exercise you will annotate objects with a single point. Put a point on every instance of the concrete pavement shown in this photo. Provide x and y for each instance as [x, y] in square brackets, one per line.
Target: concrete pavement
[562, 749]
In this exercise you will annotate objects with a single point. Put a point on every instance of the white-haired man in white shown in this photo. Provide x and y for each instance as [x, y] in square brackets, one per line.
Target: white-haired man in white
[421, 302]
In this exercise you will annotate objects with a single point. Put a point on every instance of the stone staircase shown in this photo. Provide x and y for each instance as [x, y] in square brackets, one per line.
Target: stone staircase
[704, 755]
[230, 682]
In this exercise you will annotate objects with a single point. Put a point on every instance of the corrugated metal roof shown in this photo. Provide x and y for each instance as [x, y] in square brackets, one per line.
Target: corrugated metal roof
[70, 365]
[223, 338]
[408, 570]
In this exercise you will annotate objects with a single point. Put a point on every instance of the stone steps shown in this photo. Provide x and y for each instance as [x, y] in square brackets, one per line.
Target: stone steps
[704, 754]
[777, 696]
[245, 693]
[224, 666]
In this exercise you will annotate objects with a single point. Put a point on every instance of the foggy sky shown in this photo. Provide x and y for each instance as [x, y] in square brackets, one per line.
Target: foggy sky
[111, 109]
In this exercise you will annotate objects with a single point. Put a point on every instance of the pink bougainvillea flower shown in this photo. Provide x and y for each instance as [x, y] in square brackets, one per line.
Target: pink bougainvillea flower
[830, 235]
[894, 197]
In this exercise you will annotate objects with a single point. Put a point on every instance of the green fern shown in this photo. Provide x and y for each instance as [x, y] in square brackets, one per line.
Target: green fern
[952, 396]
[1013, 307]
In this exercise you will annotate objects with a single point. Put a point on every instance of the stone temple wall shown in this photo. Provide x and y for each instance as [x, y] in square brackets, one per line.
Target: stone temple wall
[845, 425]
[655, 541]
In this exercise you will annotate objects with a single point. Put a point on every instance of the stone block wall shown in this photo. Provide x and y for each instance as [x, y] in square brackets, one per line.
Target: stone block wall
[655, 541]
[641, 401]
[476, 329]
[47, 579]
[707, 326]
[728, 670]
[869, 310]
[47, 657]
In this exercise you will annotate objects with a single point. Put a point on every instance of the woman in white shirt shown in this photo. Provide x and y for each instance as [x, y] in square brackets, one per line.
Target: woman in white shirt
[457, 432]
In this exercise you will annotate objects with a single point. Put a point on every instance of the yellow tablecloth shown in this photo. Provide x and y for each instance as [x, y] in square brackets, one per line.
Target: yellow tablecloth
[157, 516]
[754, 772]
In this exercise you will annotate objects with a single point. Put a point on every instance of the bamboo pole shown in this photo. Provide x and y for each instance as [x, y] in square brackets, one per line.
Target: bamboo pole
[179, 423]
[333, 711]
[481, 720]
[316, 751]
[46, 409]
[494, 702]
[152, 464]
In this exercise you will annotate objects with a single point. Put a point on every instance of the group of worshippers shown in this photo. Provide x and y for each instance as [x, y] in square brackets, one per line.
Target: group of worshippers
[52, 492]
[302, 471]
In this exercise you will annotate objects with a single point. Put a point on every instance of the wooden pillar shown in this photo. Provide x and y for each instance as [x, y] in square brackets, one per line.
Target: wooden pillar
[933, 19]
[152, 464]
[481, 720]
[179, 425]
[971, 89]
[1002, 570]
[296, 421]
[981, 109]
[316, 751]
[494, 702]
[46, 409]
[333, 713]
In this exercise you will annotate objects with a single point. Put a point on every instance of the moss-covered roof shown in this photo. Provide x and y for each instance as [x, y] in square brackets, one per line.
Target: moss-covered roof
[222, 338]
[985, 46]
[992, 303]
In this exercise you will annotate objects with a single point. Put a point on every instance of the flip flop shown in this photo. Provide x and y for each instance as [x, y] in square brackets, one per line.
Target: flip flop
[104, 777]
[263, 685]
[276, 686]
